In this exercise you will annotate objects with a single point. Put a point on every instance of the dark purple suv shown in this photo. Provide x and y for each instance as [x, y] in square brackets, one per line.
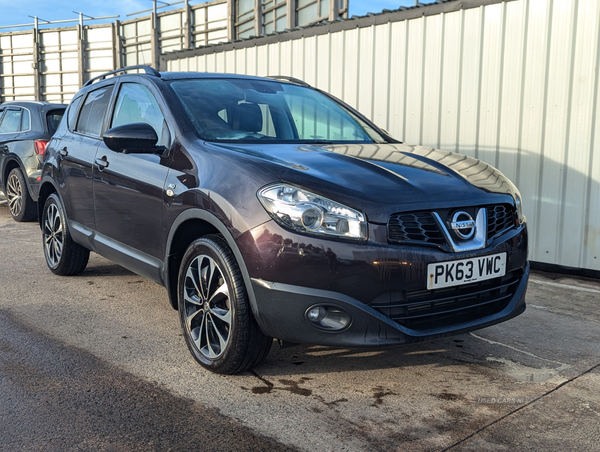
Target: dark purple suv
[269, 209]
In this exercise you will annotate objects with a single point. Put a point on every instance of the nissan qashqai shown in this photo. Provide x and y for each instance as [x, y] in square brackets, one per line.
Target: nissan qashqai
[269, 209]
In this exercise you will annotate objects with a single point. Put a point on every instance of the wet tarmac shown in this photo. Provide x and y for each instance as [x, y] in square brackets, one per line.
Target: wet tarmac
[97, 362]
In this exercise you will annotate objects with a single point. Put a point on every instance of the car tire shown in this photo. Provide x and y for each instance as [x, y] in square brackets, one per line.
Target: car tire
[63, 256]
[215, 315]
[20, 204]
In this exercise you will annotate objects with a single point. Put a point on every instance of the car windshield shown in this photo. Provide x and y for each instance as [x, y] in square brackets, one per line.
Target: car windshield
[248, 110]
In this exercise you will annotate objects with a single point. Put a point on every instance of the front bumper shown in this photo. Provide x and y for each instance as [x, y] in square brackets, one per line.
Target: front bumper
[292, 273]
[283, 308]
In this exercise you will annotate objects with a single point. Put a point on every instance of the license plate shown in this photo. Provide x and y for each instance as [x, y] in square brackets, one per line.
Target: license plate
[454, 273]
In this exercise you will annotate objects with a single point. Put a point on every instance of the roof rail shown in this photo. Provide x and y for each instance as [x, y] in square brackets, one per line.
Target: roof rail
[26, 101]
[148, 69]
[286, 78]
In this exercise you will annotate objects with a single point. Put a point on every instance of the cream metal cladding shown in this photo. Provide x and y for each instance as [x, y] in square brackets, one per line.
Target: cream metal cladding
[51, 64]
[514, 83]
[16, 62]
[189, 27]
[59, 64]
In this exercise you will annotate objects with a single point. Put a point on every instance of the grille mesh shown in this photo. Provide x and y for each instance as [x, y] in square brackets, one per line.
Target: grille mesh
[428, 309]
[415, 227]
[499, 219]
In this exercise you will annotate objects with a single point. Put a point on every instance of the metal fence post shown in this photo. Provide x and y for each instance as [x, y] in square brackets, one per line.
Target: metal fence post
[80, 54]
[36, 64]
[334, 10]
[187, 27]
[154, 41]
[231, 16]
[258, 17]
[291, 13]
[117, 45]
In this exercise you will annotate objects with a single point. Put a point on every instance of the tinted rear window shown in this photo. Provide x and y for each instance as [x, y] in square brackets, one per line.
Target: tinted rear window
[53, 118]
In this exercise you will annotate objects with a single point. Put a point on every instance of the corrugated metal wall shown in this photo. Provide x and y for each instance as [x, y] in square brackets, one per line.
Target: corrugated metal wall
[513, 83]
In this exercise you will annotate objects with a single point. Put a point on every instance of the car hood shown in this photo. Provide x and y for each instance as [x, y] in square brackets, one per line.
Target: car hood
[382, 179]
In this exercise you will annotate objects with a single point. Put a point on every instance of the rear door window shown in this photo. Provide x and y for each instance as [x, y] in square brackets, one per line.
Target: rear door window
[11, 122]
[92, 111]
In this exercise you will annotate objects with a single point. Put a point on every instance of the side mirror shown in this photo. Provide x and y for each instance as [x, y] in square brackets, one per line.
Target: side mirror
[138, 137]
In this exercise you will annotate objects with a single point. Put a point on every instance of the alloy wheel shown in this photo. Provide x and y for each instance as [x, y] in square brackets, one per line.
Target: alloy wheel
[53, 235]
[207, 307]
[14, 195]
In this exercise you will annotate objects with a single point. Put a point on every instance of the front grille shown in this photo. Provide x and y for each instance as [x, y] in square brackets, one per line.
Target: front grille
[415, 227]
[500, 218]
[421, 228]
[428, 309]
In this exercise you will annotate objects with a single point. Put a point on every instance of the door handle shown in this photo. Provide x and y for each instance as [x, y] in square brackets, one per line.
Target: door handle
[101, 163]
[63, 152]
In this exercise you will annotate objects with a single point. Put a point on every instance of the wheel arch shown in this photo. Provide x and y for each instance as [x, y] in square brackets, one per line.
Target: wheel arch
[11, 163]
[189, 226]
[46, 189]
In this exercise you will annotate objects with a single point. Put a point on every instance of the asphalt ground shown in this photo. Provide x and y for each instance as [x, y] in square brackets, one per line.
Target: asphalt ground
[97, 362]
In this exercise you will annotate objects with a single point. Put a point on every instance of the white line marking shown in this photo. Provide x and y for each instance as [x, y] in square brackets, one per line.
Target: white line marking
[564, 286]
[529, 305]
[489, 341]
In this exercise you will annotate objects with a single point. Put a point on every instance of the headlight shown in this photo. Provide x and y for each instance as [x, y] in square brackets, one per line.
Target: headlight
[303, 211]
[519, 206]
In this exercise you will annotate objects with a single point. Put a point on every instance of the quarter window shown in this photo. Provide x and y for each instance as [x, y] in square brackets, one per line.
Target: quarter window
[137, 104]
[92, 111]
[72, 115]
[25, 121]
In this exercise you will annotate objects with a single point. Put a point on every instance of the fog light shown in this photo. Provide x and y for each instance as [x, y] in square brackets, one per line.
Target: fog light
[316, 313]
[329, 318]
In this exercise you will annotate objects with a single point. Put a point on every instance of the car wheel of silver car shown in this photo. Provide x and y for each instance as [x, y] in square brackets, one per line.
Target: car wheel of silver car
[63, 256]
[20, 204]
[217, 322]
